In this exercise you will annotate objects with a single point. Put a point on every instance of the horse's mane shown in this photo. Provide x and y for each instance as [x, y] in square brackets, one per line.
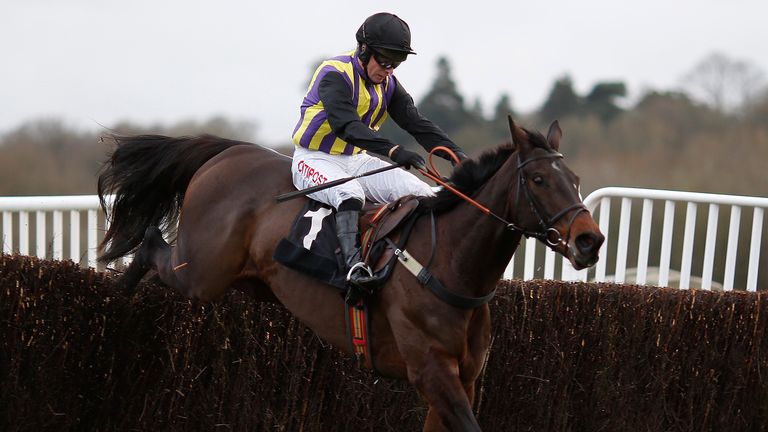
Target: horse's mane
[474, 173]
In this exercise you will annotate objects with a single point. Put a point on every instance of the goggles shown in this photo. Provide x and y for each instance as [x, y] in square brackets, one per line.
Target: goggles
[384, 61]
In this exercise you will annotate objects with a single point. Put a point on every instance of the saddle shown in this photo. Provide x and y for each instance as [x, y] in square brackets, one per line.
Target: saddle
[312, 247]
[376, 223]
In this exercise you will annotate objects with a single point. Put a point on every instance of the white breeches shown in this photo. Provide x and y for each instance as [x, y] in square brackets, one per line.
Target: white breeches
[311, 168]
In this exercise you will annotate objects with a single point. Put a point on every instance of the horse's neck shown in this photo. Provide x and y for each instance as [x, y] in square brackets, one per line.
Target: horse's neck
[481, 246]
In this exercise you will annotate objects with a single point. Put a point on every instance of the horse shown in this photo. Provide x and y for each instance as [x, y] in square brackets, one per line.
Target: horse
[219, 196]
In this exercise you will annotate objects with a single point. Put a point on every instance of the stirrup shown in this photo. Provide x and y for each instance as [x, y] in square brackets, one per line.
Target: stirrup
[358, 265]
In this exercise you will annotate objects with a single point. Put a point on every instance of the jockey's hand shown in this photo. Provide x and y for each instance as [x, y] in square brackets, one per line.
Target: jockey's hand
[459, 154]
[449, 157]
[408, 159]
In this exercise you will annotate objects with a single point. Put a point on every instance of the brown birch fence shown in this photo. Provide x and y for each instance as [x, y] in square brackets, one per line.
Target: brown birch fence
[565, 357]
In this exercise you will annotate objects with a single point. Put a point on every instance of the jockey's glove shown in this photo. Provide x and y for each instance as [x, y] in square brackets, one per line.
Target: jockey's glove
[455, 150]
[407, 158]
[459, 154]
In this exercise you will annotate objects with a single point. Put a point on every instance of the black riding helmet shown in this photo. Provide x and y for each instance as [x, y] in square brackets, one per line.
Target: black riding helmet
[386, 33]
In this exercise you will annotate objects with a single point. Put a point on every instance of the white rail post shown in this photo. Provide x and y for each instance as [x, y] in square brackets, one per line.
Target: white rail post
[74, 235]
[688, 238]
[549, 263]
[40, 234]
[666, 242]
[754, 249]
[7, 232]
[530, 258]
[92, 228]
[709, 247]
[733, 243]
[24, 232]
[645, 239]
[58, 235]
[605, 225]
[623, 245]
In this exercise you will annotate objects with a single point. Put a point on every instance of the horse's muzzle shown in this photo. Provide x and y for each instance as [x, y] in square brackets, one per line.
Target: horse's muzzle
[585, 249]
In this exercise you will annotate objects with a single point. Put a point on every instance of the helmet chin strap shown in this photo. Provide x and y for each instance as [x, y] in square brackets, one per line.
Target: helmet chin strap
[364, 54]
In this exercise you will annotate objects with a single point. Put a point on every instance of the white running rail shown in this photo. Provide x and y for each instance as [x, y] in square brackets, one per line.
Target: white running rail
[72, 226]
[46, 235]
[668, 248]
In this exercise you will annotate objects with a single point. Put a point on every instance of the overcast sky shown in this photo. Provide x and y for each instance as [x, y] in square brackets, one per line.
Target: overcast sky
[95, 62]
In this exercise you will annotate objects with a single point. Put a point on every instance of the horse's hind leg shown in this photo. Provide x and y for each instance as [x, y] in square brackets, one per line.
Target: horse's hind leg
[153, 252]
[198, 268]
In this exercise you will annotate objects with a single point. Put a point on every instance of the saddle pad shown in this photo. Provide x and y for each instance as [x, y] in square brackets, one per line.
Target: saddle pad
[311, 246]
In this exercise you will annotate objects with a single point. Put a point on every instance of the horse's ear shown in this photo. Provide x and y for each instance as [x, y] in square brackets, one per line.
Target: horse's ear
[518, 134]
[554, 135]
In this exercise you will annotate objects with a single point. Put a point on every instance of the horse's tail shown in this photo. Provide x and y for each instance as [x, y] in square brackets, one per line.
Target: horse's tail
[148, 175]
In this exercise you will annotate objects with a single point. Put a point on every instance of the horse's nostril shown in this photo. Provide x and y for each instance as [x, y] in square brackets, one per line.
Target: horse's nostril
[584, 242]
[587, 242]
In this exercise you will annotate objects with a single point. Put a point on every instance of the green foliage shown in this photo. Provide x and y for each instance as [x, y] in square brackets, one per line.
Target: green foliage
[562, 100]
[503, 108]
[443, 104]
[601, 101]
[217, 125]
[756, 112]
[46, 157]
[666, 140]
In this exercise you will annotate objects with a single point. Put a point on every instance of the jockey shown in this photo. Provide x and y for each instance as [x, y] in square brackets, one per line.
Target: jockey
[348, 99]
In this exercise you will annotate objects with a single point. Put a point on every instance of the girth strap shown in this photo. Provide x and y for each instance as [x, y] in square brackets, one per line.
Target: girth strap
[427, 279]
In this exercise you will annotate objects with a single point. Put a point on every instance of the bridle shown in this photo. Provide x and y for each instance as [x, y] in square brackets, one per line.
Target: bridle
[548, 233]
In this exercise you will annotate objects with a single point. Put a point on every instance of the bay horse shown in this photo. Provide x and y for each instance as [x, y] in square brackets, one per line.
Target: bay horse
[222, 195]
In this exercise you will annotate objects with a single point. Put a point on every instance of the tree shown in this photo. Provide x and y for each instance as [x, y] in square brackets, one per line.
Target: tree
[561, 102]
[443, 104]
[757, 110]
[601, 101]
[477, 109]
[503, 108]
[46, 157]
[724, 83]
[499, 125]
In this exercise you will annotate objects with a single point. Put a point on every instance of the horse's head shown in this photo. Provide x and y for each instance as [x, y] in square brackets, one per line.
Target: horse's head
[547, 202]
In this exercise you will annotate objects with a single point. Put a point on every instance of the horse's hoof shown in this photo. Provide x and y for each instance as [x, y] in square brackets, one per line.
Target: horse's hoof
[142, 261]
[134, 274]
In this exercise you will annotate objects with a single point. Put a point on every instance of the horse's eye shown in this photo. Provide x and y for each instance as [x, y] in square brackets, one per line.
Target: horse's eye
[538, 180]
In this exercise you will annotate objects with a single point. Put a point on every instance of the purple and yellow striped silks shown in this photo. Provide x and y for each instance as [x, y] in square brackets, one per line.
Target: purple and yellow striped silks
[371, 100]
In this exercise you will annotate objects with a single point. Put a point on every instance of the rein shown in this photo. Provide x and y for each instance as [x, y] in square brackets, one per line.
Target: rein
[548, 234]
[423, 274]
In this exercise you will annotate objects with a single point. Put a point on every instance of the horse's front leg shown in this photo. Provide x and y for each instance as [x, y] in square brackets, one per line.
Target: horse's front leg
[438, 381]
[463, 373]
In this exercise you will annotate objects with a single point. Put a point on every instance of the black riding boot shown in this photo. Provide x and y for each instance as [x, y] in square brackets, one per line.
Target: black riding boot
[346, 229]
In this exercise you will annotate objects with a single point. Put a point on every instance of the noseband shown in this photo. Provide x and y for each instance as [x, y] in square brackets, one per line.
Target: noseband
[548, 233]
